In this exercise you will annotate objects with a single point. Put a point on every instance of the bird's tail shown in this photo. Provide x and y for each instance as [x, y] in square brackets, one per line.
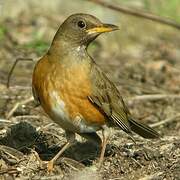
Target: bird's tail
[143, 130]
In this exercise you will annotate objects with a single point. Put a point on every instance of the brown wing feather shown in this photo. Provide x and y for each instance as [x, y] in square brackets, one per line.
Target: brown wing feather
[108, 99]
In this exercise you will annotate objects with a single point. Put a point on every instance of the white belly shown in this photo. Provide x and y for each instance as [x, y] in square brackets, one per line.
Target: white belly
[60, 115]
[59, 112]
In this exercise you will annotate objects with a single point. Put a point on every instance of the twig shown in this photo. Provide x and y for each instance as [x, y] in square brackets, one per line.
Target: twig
[18, 87]
[54, 135]
[154, 97]
[48, 125]
[138, 13]
[5, 121]
[138, 163]
[28, 117]
[170, 119]
[14, 65]
[12, 152]
[26, 101]
[44, 127]
[10, 171]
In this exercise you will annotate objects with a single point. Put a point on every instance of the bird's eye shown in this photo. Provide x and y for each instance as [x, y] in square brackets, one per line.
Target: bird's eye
[81, 24]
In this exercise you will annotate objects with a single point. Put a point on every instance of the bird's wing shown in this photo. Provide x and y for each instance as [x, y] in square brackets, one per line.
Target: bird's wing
[108, 100]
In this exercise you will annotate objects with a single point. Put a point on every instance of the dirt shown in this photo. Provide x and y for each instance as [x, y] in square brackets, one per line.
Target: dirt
[28, 137]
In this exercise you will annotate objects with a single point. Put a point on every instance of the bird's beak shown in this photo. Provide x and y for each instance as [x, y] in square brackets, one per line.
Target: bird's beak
[103, 28]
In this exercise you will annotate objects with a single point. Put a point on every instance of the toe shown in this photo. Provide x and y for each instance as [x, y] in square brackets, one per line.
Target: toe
[50, 166]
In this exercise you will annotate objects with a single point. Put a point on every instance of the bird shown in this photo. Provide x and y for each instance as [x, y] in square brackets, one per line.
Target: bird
[74, 91]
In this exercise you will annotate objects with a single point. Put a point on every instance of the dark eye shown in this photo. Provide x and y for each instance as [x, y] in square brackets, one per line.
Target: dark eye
[81, 24]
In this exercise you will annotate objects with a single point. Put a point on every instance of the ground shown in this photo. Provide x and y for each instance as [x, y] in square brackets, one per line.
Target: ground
[144, 67]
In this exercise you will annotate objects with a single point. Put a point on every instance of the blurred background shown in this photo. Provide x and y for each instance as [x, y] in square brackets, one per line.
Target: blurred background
[142, 58]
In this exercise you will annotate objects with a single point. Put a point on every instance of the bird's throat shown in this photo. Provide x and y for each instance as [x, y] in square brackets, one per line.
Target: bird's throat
[65, 51]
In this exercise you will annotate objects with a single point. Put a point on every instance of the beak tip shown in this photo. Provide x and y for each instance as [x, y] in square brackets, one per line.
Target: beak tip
[112, 27]
[103, 28]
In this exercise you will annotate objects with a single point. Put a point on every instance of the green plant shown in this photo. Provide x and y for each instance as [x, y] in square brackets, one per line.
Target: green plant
[2, 32]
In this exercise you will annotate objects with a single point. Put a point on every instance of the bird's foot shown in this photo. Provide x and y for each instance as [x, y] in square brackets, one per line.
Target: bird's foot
[50, 166]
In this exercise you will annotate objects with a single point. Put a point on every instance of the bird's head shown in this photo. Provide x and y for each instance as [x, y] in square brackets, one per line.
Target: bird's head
[81, 29]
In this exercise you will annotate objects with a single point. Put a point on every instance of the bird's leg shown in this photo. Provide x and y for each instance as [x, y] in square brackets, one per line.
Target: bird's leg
[106, 134]
[70, 140]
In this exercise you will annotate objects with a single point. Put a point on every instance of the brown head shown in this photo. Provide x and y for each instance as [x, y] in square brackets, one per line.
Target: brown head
[80, 30]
